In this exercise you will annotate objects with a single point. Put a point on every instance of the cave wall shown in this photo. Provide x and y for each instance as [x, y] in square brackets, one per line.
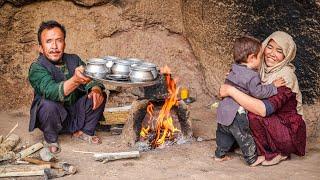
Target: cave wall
[140, 29]
[193, 37]
[211, 27]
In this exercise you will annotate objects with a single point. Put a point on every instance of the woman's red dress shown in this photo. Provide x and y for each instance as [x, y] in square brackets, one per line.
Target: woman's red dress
[284, 131]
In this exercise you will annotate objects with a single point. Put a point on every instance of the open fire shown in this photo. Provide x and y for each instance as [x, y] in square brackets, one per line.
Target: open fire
[158, 129]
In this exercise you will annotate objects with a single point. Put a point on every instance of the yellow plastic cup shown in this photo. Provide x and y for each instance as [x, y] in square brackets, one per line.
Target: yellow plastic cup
[184, 94]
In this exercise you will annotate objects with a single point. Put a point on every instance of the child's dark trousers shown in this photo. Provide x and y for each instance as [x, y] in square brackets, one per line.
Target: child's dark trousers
[238, 131]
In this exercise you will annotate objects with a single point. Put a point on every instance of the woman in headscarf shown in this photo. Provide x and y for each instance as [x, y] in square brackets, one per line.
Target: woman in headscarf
[276, 123]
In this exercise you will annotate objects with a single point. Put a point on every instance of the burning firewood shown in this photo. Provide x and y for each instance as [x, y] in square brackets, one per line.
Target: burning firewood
[164, 127]
[158, 121]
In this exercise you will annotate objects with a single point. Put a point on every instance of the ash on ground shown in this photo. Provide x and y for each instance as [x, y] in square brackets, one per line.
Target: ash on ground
[146, 144]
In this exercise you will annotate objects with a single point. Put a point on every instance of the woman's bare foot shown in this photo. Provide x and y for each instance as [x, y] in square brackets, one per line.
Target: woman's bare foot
[224, 158]
[259, 160]
[275, 160]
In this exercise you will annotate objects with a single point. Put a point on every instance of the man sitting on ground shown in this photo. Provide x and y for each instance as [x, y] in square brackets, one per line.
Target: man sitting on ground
[65, 101]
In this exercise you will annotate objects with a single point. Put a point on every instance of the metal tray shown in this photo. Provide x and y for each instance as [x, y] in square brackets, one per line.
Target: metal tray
[125, 83]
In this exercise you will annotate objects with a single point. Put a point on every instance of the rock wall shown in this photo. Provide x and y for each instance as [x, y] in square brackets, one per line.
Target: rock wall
[141, 29]
[193, 37]
[211, 27]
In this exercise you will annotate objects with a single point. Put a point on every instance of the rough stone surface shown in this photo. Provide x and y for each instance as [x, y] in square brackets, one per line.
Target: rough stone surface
[211, 27]
[86, 3]
[194, 38]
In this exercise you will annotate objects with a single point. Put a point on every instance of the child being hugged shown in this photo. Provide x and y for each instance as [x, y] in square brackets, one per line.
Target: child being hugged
[233, 124]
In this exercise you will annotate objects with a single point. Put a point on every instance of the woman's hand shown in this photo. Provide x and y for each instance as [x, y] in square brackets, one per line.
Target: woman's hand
[97, 97]
[224, 90]
[251, 104]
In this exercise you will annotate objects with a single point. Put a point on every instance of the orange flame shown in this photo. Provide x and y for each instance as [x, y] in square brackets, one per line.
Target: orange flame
[164, 124]
[165, 70]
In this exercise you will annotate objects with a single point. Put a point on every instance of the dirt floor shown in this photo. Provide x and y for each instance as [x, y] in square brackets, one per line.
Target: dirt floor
[187, 161]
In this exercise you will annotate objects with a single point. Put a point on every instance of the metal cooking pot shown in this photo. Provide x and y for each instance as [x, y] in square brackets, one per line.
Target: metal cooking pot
[99, 60]
[121, 67]
[96, 69]
[151, 67]
[140, 75]
[134, 61]
[110, 61]
[153, 70]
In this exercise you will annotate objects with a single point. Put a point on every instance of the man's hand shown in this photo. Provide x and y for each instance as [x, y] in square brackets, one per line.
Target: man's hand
[78, 76]
[97, 97]
[75, 81]
[279, 82]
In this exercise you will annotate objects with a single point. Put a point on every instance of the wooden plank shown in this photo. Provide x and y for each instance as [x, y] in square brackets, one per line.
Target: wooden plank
[23, 170]
[19, 174]
[26, 152]
[115, 156]
[117, 109]
[100, 156]
[116, 117]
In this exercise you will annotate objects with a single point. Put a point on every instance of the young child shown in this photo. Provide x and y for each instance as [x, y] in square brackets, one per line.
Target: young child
[233, 124]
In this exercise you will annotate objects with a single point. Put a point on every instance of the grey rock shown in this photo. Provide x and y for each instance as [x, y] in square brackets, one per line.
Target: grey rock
[46, 155]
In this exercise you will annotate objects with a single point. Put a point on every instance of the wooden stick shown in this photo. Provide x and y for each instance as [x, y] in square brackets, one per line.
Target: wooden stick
[36, 161]
[84, 152]
[11, 131]
[28, 151]
[22, 170]
[115, 156]
[63, 165]
[21, 162]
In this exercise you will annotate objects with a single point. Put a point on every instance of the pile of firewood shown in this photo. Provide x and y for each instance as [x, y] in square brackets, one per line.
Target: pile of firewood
[16, 163]
[20, 162]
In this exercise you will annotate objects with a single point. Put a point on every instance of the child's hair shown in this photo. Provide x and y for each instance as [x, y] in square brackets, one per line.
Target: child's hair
[243, 47]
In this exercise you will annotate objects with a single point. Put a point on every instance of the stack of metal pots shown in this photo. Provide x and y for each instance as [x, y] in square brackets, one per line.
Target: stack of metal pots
[114, 68]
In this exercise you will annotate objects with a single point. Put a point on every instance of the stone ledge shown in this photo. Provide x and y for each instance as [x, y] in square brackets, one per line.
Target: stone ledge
[86, 3]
